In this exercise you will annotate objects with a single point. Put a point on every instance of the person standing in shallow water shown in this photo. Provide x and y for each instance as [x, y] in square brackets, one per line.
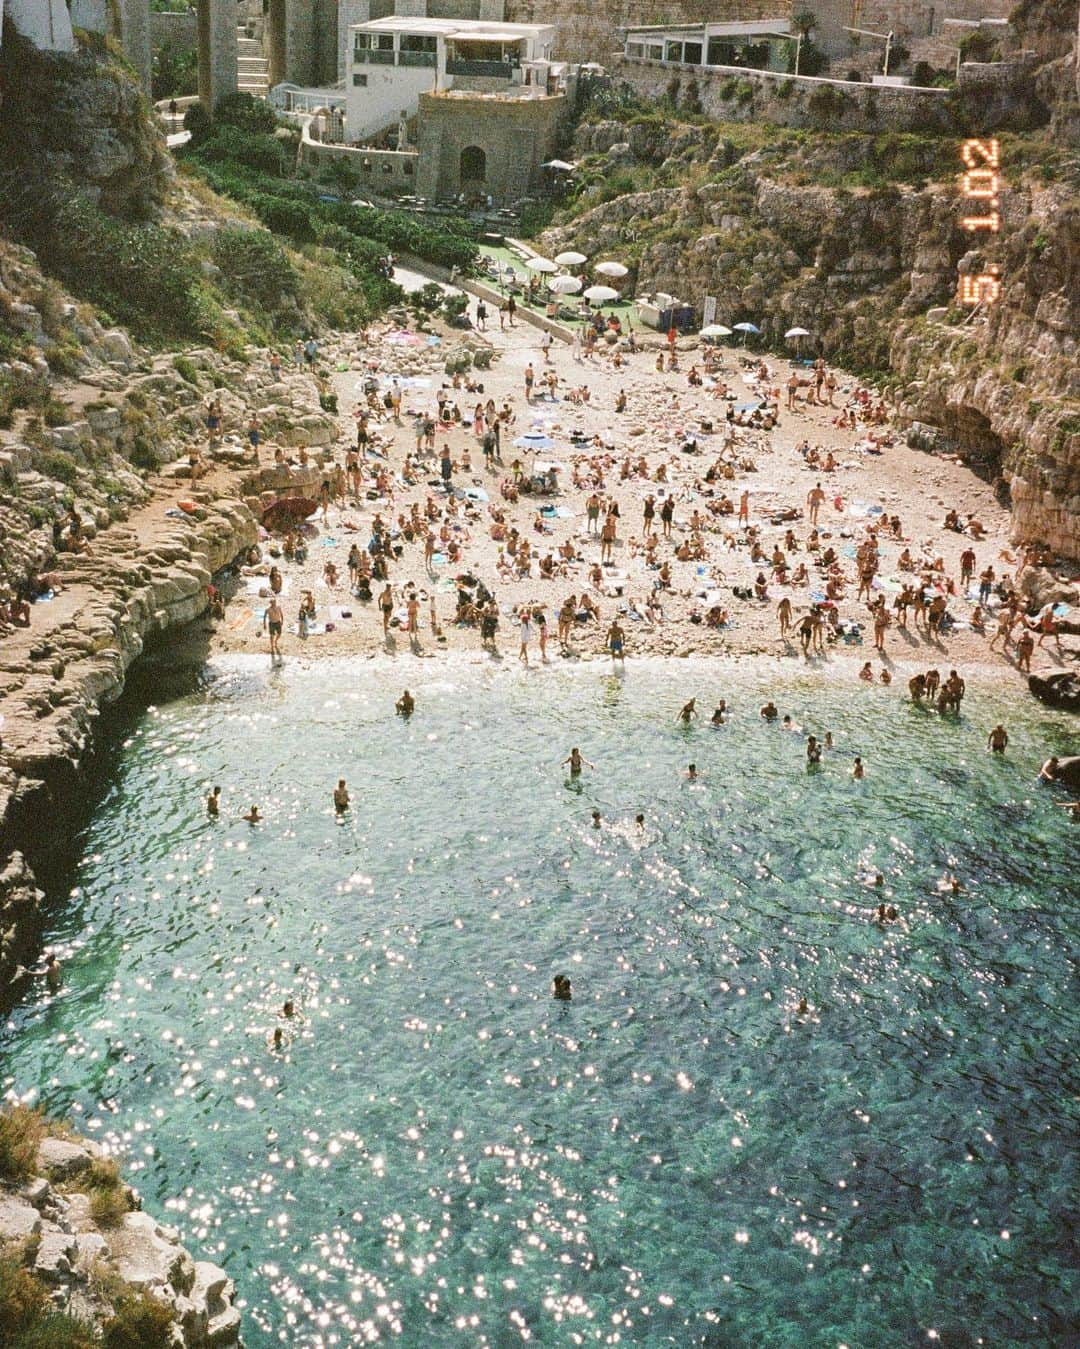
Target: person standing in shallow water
[576, 762]
[341, 797]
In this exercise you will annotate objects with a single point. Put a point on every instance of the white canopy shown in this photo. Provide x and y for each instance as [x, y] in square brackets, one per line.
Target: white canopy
[715, 330]
[542, 265]
[570, 259]
[612, 269]
[565, 285]
[600, 293]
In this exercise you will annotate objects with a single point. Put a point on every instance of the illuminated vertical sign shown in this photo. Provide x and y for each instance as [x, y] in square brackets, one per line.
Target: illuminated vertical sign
[980, 188]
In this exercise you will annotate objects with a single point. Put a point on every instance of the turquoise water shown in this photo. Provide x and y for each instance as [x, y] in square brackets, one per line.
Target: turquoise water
[444, 1155]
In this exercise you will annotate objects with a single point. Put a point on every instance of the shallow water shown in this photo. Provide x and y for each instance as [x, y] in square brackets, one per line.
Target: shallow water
[444, 1155]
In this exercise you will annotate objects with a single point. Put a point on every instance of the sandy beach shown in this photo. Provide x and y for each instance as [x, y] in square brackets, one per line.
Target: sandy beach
[625, 457]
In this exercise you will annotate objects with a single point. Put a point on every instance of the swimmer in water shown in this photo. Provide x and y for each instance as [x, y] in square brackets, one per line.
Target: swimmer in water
[405, 705]
[576, 762]
[560, 988]
[813, 750]
[54, 973]
[288, 1008]
[857, 769]
[688, 713]
[886, 913]
[253, 816]
[828, 741]
[719, 716]
[770, 711]
[802, 1008]
[596, 821]
[1048, 772]
[341, 797]
[998, 740]
[1073, 807]
[277, 1040]
[213, 803]
[639, 820]
[691, 772]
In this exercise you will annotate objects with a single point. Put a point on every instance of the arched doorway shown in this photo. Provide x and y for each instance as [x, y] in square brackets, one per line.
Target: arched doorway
[473, 170]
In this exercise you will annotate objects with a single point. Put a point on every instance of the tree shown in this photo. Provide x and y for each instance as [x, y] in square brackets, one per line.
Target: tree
[804, 21]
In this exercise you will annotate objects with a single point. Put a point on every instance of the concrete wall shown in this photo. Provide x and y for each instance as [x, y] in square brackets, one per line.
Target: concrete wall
[390, 90]
[516, 136]
[135, 35]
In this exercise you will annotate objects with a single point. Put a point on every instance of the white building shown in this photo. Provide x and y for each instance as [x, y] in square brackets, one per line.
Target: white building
[395, 60]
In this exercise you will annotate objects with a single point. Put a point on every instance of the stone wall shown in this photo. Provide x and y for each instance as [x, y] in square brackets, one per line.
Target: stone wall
[174, 32]
[515, 135]
[989, 98]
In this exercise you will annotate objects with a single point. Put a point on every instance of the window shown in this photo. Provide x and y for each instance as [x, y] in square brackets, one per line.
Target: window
[388, 166]
[417, 42]
[692, 53]
[655, 51]
[635, 49]
[359, 81]
[407, 168]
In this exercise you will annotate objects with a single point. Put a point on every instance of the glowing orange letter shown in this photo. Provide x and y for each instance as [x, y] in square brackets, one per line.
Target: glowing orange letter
[985, 288]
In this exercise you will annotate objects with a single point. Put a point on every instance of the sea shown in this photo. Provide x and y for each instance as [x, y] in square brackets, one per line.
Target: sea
[765, 1117]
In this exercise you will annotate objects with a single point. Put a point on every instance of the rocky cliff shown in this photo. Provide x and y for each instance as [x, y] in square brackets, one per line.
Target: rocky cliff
[83, 1265]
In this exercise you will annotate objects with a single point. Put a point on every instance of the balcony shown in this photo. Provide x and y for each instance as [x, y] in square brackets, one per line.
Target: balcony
[362, 56]
[492, 70]
[417, 59]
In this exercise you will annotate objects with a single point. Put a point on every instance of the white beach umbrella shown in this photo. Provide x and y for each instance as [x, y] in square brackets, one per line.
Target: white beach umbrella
[613, 269]
[541, 265]
[570, 259]
[534, 440]
[559, 165]
[565, 285]
[715, 330]
[797, 332]
[600, 294]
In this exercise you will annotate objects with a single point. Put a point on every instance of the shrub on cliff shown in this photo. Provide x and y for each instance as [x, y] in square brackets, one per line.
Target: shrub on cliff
[227, 144]
[244, 111]
[139, 1321]
[21, 1132]
[28, 1319]
[255, 268]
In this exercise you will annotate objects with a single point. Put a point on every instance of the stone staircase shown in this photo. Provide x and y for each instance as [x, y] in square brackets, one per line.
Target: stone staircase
[253, 69]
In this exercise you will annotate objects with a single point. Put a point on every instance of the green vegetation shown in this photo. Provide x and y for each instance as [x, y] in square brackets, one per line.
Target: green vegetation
[140, 1320]
[175, 74]
[21, 1132]
[28, 1319]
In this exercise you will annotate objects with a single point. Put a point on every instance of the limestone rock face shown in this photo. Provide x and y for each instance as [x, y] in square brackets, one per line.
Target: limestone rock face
[87, 122]
[80, 1262]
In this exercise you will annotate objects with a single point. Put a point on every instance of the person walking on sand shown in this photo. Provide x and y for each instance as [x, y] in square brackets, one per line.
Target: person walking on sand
[744, 509]
[386, 607]
[615, 642]
[814, 499]
[530, 380]
[274, 620]
[783, 612]
[526, 637]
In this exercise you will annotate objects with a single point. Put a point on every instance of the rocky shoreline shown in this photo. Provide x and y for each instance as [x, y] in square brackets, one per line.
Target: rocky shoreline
[59, 674]
[91, 1257]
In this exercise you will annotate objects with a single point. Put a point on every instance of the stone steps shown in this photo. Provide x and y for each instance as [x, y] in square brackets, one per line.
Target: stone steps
[252, 67]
